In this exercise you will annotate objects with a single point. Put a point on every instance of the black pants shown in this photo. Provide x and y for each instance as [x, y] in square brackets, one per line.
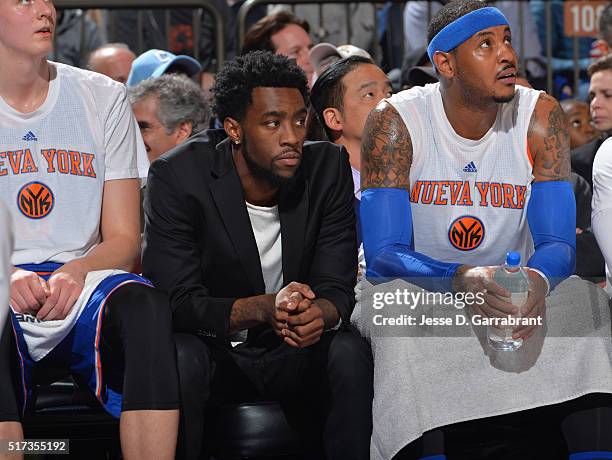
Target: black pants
[551, 433]
[326, 385]
[136, 347]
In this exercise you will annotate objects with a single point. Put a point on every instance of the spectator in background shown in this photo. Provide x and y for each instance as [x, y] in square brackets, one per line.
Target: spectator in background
[76, 37]
[282, 33]
[579, 121]
[417, 69]
[168, 109]
[602, 45]
[100, 19]
[113, 60]
[181, 38]
[589, 261]
[600, 93]
[338, 23]
[562, 50]
[154, 63]
[342, 98]
[324, 54]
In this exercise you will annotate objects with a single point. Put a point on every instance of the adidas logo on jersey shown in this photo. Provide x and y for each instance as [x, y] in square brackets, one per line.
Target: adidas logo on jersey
[470, 167]
[30, 136]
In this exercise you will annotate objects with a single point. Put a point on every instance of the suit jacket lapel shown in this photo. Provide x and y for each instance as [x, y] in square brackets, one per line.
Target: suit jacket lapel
[293, 210]
[229, 199]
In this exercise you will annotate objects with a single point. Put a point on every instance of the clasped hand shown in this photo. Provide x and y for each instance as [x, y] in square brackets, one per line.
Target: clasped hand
[47, 300]
[296, 316]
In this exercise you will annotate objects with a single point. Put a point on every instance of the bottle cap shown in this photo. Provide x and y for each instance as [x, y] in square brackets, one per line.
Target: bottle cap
[513, 259]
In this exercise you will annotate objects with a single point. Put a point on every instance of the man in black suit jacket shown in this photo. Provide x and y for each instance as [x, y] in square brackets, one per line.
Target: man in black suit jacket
[582, 159]
[248, 229]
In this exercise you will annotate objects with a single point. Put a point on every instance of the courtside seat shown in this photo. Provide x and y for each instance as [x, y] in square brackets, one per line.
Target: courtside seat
[61, 410]
[252, 430]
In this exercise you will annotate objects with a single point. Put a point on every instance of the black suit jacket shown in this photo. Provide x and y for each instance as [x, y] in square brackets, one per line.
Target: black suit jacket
[199, 245]
[582, 159]
[589, 259]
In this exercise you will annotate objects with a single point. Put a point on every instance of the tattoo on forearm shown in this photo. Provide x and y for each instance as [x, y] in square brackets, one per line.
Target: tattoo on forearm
[549, 135]
[245, 312]
[386, 150]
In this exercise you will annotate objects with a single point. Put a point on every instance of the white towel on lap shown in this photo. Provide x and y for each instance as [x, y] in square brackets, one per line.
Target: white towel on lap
[421, 383]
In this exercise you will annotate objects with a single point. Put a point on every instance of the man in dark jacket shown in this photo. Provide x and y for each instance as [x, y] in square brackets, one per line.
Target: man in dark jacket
[252, 234]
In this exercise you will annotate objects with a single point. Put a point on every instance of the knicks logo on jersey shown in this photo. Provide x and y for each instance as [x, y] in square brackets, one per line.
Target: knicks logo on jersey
[35, 200]
[466, 233]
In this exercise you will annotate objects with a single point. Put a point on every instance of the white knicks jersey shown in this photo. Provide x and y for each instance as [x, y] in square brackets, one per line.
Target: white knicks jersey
[469, 197]
[55, 160]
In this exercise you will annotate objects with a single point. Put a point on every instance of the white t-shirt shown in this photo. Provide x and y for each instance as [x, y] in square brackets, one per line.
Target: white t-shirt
[6, 248]
[265, 222]
[601, 215]
[54, 161]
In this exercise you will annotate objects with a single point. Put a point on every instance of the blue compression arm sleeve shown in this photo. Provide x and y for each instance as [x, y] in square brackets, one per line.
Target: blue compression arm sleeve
[386, 226]
[551, 215]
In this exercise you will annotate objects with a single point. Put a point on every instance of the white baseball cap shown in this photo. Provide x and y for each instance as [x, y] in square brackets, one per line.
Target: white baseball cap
[323, 54]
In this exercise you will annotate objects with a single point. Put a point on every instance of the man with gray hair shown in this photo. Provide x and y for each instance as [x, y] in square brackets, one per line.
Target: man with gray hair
[169, 109]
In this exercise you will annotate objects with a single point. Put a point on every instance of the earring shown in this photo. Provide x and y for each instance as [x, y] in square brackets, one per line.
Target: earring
[237, 141]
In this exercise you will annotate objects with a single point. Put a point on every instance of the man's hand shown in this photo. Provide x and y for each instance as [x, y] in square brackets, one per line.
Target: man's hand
[302, 322]
[535, 305]
[289, 299]
[28, 291]
[65, 286]
[306, 325]
[480, 279]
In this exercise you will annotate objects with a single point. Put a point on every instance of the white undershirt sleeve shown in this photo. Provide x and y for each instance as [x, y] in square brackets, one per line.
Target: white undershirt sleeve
[601, 216]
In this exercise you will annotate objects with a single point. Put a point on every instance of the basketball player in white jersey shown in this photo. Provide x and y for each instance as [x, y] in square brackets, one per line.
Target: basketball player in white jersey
[6, 249]
[69, 175]
[470, 168]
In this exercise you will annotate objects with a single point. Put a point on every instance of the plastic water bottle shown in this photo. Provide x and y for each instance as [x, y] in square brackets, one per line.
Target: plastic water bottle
[513, 278]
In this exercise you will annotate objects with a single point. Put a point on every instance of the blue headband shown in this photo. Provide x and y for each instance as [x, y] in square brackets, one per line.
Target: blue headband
[458, 31]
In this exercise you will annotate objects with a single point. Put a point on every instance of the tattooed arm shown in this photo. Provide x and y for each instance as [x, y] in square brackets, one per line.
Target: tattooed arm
[551, 212]
[386, 217]
[548, 140]
[386, 150]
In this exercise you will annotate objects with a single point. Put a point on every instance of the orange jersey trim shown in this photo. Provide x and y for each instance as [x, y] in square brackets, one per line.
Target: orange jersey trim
[530, 156]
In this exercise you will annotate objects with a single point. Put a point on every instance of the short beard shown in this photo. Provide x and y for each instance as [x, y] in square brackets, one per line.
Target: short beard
[261, 172]
[472, 96]
[504, 99]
